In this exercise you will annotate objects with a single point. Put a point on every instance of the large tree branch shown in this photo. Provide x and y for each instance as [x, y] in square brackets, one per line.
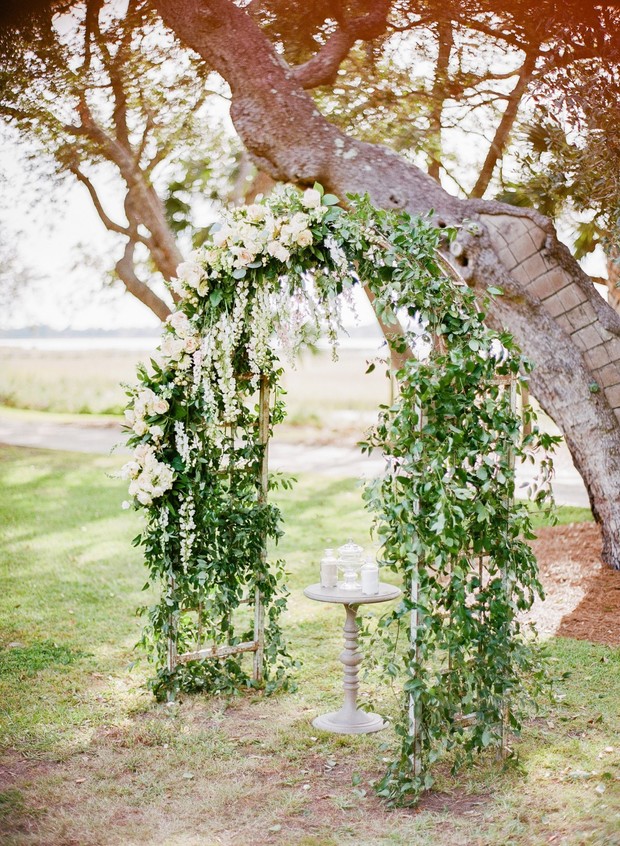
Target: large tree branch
[504, 128]
[126, 272]
[322, 68]
[276, 119]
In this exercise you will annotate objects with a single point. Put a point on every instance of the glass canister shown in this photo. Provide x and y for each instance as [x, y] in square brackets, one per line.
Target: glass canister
[350, 562]
[370, 577]
[329, 570]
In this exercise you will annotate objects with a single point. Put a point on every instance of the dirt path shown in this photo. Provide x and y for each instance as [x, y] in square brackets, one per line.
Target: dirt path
[339, 457]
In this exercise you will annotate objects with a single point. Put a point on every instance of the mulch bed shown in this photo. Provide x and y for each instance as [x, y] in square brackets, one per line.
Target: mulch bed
[582, 596]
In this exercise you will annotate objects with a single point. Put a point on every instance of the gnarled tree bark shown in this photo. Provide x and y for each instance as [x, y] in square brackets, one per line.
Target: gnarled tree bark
[550, 305]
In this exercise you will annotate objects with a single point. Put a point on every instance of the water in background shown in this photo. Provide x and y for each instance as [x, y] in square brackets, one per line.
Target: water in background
[148, 344]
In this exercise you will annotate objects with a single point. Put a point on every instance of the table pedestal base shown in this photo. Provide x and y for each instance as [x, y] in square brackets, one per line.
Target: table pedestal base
[349, 719]
[345, 722]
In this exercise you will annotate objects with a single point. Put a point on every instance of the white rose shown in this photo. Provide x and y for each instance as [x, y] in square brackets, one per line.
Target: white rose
[144, 498]
[156, 432]
[192, 344]
[172, 347]
[299, 221]
[311, 198]
[145, 396]
[130, 470]
[150, 464]
[141, 452]
[139, 427]
[180, 323]
[160, 406]
[130, 416]
[220, 238]
[243, 256]
[190, 272]
[304, 239]
[255, 212]
[286, 234]
[278, 250]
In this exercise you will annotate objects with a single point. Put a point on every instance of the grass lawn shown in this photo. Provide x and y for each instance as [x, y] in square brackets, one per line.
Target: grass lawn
[89, 758]
[89, 382]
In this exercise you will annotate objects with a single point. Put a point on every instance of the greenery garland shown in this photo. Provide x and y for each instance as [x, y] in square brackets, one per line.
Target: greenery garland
[280, 267]
[448, 523]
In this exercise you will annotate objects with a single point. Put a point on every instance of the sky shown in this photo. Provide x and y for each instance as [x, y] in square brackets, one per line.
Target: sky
[58, 234]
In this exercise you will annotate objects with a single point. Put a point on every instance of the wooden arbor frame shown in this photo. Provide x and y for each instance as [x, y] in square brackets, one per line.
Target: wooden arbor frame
[257, 644]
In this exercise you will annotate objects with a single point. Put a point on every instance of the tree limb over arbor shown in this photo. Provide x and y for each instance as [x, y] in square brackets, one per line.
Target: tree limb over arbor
[550, 305]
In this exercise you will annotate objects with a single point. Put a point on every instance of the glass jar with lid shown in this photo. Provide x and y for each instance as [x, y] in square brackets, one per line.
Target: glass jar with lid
[350, 560]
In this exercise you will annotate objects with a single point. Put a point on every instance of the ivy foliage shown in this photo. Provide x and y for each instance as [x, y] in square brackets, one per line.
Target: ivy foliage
[444, 509]
[447, 519]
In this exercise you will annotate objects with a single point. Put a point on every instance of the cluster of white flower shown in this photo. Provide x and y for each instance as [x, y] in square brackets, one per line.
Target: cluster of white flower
[162, 520]
[187, 526]
[246, 235]
[149, 477]
[180, 344]
[225, 337]
[146, 404]
[181, 442]
[192, 275]
[259, 343]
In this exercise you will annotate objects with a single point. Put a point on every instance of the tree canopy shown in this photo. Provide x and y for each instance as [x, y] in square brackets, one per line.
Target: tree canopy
[100, 94]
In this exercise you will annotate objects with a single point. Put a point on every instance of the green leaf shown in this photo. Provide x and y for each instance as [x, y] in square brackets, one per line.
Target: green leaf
[330, 200]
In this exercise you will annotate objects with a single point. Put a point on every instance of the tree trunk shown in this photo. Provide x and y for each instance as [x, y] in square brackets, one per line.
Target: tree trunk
[550, 306]
[613, 279]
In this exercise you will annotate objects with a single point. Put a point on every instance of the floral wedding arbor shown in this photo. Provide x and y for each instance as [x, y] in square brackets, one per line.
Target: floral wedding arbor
[444, 510]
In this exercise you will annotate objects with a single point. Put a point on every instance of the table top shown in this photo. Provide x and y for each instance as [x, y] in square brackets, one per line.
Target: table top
[351, 597]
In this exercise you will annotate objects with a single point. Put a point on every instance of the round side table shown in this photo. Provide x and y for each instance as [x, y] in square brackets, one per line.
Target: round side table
[349, 719]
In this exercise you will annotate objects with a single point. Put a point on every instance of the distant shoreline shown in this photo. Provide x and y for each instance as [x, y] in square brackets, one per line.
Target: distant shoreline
[119, 343]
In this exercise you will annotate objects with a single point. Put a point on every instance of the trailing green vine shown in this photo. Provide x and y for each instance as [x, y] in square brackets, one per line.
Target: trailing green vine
[447, 520]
